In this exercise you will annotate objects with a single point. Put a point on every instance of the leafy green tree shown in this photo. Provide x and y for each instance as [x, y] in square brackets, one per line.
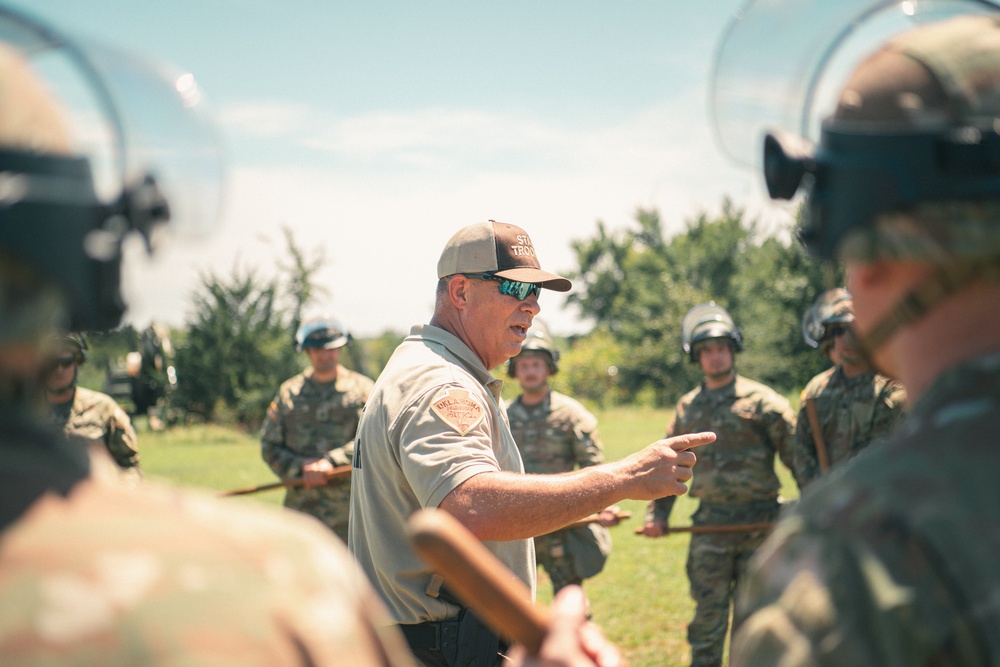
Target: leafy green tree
[378, 350]
[636, 286]
[238, 346]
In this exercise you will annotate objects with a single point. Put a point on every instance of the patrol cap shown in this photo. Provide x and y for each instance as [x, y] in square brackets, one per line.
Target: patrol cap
[500, 249]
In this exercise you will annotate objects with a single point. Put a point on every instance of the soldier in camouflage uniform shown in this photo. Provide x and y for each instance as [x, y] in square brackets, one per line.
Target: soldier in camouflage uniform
[735, 481]
[94, 572]
[892, 558]
[310, 425]
[555, 434]
[854, 405]
[85, 416]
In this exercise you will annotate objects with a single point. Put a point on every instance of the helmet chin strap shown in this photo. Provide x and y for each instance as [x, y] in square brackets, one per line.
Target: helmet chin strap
[944, 282]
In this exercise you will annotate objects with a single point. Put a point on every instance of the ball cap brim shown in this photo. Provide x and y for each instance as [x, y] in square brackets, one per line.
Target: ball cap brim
[498, 248]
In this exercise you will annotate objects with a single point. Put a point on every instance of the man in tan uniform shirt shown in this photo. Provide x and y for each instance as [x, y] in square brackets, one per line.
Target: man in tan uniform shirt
[434, 434]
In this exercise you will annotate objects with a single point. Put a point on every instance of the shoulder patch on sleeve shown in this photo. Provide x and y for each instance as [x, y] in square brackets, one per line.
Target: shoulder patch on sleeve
[458, 409]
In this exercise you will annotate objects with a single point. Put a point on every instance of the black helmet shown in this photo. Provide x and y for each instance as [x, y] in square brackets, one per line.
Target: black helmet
[708, 321]
[538, 341]
[832, 307]
[73, 342]
[78, 150]
[321, 332]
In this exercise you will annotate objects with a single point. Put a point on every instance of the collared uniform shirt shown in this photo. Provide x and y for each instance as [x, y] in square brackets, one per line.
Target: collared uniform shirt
[434, 420]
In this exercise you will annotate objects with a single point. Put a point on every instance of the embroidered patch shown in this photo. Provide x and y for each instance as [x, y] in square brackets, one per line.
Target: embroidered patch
[459, 409]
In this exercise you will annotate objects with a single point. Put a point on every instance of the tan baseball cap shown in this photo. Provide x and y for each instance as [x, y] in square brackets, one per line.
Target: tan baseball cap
[498, 248]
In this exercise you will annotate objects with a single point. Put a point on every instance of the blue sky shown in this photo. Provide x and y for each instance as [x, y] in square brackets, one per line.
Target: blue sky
[375, 130]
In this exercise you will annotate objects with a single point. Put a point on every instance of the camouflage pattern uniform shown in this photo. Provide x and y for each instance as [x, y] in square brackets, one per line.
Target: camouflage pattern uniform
[853, 413]
[95, 417]
[310, 420]
[559, 435]
[913, 552]
[891, 559]
[96, 573]
[735, 483]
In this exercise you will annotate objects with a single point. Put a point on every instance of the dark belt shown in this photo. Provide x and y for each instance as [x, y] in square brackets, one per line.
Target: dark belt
[430, 635]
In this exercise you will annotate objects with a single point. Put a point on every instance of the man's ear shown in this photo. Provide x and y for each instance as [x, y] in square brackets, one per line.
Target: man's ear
[459, 291]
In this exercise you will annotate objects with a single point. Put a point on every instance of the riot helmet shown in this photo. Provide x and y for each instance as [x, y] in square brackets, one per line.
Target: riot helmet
[537, 341]
[779, 75]
[74, 343]
[321, 332]
[708, 321]
[833, 307]
[903, 164]
[106, 140]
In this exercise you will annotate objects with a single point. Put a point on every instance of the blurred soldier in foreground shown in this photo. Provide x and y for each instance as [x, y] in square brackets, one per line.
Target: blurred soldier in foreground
[851, 403]
[87, 416]
[736, 482]
[892, 559]
[92, 572]
[310, 425]
[554, 434]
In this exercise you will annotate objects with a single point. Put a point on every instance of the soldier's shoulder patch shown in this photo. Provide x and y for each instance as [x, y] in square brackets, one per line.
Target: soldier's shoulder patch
[272, 410]
[458, 409]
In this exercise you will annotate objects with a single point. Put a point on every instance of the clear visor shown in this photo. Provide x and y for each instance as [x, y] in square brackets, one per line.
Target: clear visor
[131, 119]
[701, 315]
[780, 64]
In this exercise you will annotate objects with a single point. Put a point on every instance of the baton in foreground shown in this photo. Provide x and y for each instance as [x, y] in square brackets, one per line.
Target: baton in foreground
[478, 578]
[336, 472]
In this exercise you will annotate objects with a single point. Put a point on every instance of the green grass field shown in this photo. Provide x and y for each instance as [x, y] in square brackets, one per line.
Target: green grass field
[640, 599]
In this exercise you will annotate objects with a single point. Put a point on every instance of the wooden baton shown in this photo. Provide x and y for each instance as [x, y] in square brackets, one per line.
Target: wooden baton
[821, 454]
[339, 471]
[621, 515]
[718, 528]
[478, 578]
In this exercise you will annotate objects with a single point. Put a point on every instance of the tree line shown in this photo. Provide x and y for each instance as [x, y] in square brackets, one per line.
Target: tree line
[633, 284]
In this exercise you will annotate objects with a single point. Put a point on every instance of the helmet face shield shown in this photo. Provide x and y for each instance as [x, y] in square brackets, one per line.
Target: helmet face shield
[321, 332]
[134, 138]
[773, 96]
[537, 341]
[780, 64]
[708, 321]
[831, 308]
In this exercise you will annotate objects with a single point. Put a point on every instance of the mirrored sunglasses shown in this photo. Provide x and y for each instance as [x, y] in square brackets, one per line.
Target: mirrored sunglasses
[514, 288]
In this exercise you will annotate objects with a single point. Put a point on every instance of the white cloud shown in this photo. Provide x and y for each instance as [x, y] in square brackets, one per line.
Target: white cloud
[402, 184]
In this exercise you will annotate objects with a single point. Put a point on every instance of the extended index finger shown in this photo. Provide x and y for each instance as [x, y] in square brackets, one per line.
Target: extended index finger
[681, 443]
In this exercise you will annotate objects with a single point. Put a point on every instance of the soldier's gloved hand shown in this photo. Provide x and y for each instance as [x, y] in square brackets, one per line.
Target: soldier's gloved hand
[653, 529]
[609, 516]
[571, 640]
[314, 472]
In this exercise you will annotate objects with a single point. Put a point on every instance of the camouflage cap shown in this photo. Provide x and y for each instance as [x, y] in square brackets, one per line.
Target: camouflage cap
[945, 75]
